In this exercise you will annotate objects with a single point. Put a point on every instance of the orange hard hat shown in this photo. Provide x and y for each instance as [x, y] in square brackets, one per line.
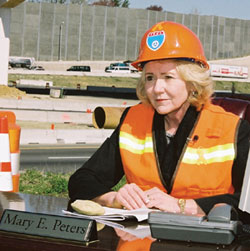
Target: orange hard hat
[166, 40]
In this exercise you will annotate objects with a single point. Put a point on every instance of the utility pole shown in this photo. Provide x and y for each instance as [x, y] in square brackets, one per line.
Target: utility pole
[60, 40]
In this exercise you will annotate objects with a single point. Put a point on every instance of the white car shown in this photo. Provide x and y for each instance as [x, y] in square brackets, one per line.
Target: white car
[118, 69]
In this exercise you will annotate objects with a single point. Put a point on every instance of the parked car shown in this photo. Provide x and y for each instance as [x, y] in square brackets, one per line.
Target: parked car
[118, 64]
[131, 67]
[37, 68]
[125, 64]
[79, 68]
[113, 65]
[118, 69]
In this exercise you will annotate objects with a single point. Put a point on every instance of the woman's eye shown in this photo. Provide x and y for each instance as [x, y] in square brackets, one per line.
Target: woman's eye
[149, 78]
[168, 77]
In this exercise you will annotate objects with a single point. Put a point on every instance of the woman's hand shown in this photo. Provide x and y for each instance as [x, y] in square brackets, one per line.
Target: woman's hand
[165, 202]
[131, 197]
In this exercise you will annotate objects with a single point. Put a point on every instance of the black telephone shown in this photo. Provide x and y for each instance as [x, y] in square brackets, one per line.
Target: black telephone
[218, 227]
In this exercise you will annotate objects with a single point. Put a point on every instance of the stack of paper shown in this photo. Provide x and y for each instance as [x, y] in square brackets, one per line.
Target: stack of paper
[114, 214]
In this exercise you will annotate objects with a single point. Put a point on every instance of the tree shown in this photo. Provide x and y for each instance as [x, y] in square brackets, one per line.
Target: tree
[113, 3]
[116, 3]
[125, 4]
[154, 7]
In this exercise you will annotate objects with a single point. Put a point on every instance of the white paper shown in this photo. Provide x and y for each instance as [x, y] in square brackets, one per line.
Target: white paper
[113, 217]
[114, 214]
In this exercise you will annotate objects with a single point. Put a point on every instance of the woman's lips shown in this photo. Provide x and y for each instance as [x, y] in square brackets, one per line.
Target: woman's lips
[161, 99]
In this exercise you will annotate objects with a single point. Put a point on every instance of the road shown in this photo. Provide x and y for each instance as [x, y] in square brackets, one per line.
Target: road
[55, 158]
[100, 73]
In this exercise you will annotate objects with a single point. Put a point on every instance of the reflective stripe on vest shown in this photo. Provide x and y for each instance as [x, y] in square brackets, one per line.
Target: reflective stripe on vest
[205, 166]
[135, 145]
[209, 155]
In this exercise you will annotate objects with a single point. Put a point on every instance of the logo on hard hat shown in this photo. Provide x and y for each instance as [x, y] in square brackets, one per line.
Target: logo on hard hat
[155, 40]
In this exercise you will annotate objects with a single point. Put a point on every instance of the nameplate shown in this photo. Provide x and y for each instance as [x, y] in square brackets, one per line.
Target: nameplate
[46, 225]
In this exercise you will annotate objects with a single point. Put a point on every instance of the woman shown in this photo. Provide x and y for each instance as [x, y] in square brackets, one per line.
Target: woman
[179, 152]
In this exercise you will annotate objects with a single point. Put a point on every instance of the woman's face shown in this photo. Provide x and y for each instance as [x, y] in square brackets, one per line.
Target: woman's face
[166, 91]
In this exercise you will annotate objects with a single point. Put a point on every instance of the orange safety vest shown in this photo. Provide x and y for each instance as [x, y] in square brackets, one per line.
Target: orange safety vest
[205, 165]
[135, 245]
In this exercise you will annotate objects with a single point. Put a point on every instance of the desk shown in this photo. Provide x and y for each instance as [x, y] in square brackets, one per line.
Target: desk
[109, 238]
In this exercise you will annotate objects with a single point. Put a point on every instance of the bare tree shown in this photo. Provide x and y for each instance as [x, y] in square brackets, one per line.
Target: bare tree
[154, 7]
[195, 11]
[101, 2]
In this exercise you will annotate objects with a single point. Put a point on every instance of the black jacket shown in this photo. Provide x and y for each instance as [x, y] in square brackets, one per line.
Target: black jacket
[104, 169]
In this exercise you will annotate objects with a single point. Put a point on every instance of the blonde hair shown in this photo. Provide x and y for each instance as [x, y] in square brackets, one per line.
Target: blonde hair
[196, 77]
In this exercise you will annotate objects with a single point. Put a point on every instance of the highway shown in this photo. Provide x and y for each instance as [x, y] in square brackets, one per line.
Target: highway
[55, 158]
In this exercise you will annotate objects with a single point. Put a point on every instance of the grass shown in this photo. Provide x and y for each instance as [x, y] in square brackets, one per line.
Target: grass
[49, 183]
[73, 81]
[241, 87]
[36, 182]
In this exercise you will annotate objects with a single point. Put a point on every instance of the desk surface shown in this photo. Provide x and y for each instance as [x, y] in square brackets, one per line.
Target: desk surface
[109, 238]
